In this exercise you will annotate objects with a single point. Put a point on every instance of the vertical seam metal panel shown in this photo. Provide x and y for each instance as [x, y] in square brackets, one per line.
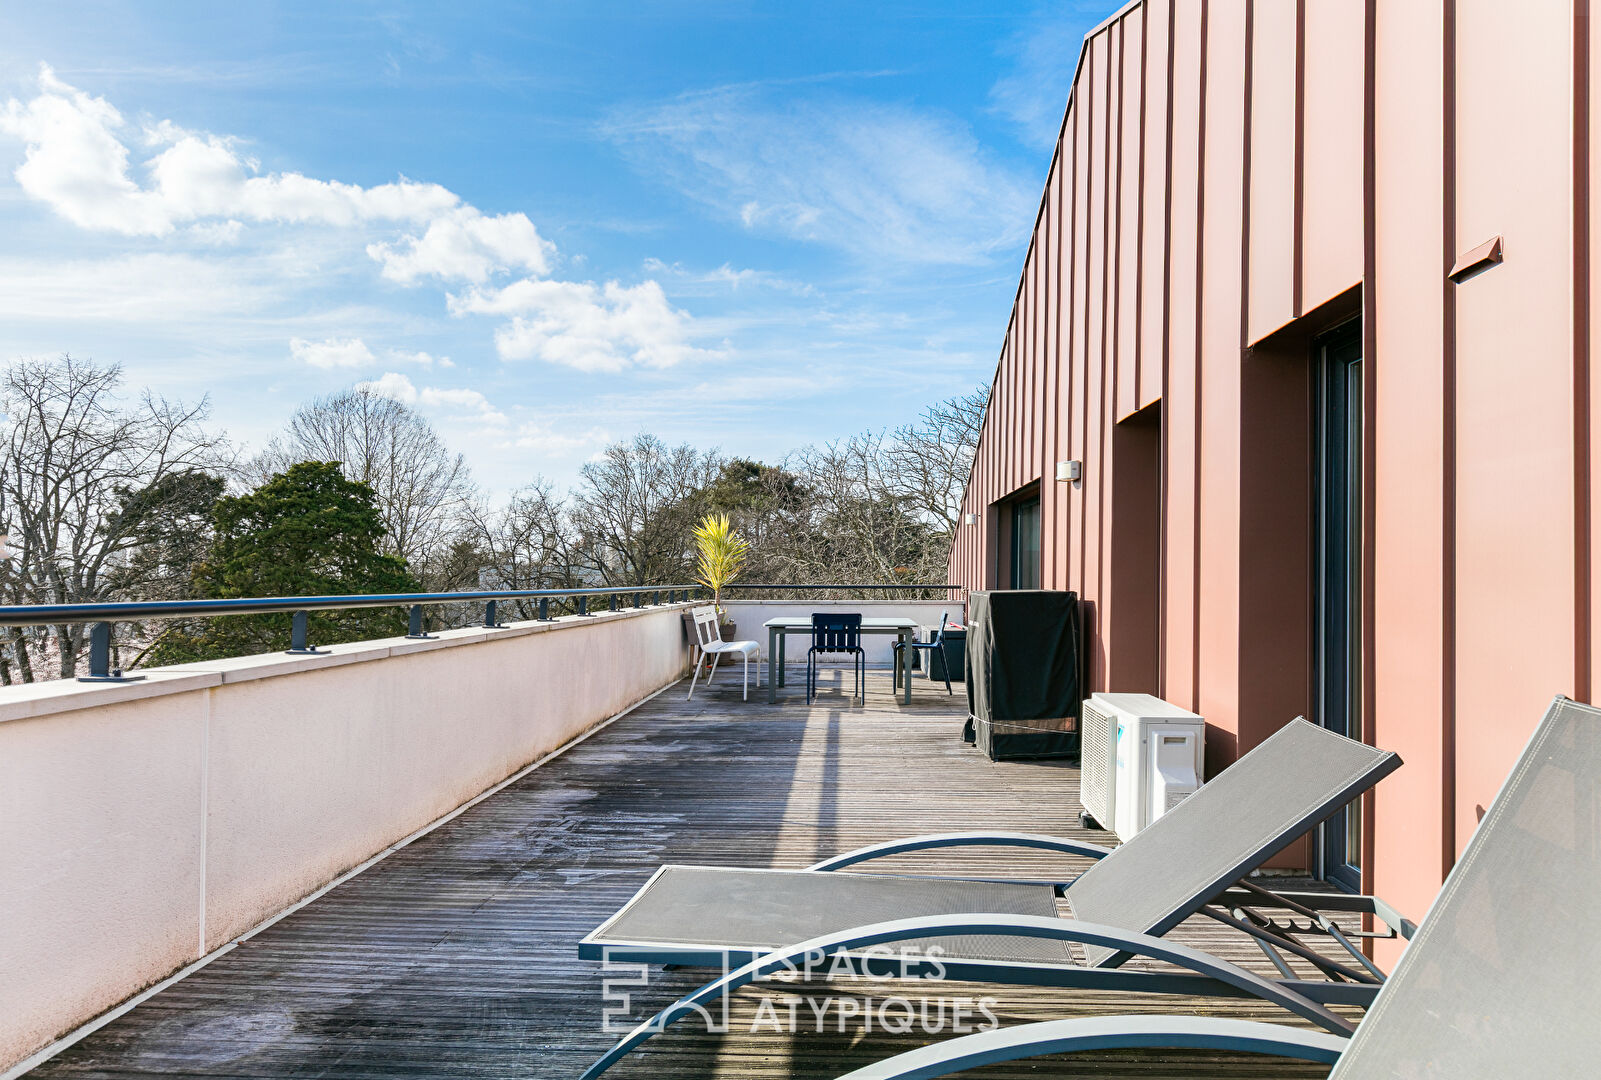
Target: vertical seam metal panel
[1107, 389]
[1448, 447]
[1200, 293]
[1067, 220]
[1297, 230]
[1167, 343]
[1139, 219]
[1084, 419]
[1580, 230]
[1370, 408]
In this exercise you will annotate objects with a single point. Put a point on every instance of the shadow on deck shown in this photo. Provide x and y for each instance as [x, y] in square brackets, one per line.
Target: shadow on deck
[456, 956]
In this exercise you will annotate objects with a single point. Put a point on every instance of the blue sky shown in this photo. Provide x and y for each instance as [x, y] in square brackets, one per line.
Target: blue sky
[545, 226]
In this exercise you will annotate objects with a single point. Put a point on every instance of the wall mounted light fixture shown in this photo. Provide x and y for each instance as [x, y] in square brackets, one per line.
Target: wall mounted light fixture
[971, 519]
[1069, 470]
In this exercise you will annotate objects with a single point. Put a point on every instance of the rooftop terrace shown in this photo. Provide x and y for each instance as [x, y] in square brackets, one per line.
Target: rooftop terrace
[455, 955]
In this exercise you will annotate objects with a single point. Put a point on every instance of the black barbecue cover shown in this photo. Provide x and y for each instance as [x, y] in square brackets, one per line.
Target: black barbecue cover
[1024, 662]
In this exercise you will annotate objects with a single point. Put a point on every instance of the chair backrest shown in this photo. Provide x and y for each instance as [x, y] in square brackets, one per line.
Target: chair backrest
[1250, 811]
[706, 629]
[834, 632]
[1501, 978]
[939, 635]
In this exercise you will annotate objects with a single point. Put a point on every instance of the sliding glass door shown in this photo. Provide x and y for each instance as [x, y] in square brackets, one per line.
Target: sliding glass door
[1337, 657]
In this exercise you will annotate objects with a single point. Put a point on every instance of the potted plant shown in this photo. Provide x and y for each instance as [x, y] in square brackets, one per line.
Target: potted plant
[720, 556]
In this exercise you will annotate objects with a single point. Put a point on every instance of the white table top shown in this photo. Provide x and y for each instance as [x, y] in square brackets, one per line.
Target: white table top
[881, 623]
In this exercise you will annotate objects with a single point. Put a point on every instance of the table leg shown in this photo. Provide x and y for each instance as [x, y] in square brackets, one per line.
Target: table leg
[905, 637]
[783, 657]
[773, 638]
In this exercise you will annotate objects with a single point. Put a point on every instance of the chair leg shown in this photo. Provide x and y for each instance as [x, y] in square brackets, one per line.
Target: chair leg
[744, 686]
[699, 660]
[715, 657]
[945, 665]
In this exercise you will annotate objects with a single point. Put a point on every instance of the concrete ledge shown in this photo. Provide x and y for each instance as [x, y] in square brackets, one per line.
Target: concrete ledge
[143, 824]
[68, 695]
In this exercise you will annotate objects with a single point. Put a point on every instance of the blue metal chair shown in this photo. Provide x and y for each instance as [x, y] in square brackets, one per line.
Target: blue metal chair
[833, 634]
[937, 644]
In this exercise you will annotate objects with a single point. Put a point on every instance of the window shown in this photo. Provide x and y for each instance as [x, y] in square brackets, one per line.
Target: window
[1337, 594]
[1026, 543]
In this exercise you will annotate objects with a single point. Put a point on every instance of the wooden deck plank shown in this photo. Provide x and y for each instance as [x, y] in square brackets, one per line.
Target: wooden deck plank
[456, 955]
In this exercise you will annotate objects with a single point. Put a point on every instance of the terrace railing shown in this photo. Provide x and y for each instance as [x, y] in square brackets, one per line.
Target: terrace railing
[103, 616]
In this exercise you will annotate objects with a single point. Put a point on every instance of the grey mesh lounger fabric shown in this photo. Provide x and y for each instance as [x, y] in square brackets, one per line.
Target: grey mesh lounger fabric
[1500, 980]
[1252, 810]
[728, 908]
[1504, 974]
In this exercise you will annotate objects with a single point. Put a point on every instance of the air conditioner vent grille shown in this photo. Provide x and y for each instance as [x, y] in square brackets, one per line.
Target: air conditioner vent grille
[1097, 764]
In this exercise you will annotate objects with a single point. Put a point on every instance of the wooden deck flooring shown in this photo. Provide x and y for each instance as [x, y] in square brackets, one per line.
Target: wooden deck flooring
[456, 955]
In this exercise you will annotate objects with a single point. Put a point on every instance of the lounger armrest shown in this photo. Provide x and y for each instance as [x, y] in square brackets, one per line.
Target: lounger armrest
[1347, 902]
[963, 839]
[795, 957]
[1103, 1033]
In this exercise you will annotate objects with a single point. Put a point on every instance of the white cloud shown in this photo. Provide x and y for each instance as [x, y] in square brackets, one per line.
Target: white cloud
[727, 276]
[541, 437]
[466, 245]
[157, 179]
[421, 359]
[585, 326]
[218, 233]
[332, 352]
[883, 181]
[77, 162]
[459, 400]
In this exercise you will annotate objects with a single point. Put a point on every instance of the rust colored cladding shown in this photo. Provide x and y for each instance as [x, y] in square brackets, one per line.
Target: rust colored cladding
[1234, 179]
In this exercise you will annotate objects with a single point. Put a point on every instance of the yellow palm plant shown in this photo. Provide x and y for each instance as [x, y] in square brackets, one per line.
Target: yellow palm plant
[721, 555]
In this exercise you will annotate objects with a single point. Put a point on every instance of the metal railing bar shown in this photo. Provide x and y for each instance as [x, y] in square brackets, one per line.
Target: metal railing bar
[138, 610]
[913, 585]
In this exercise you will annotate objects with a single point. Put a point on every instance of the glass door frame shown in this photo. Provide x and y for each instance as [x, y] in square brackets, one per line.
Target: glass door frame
[1338, 492]
[1026, 506]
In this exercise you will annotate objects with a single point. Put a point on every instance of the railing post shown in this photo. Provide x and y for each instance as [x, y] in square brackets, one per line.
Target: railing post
[583, 605]
[297, 636]
[414, 630]
[544, 609]
[656, 598]
[490, 621]
[611, 602]
[100, 669]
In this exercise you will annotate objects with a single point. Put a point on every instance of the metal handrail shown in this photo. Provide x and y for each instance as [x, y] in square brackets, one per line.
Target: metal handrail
[51, 614]
[748, 585]
[104, 614]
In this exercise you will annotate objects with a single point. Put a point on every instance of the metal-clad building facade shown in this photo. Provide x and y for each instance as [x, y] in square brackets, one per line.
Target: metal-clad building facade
[1308, 300]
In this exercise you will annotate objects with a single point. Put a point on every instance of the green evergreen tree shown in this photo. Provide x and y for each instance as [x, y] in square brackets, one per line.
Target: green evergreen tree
[307, 531]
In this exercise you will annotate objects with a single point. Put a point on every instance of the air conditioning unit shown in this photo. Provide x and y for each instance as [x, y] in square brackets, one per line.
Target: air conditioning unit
[1140, 756]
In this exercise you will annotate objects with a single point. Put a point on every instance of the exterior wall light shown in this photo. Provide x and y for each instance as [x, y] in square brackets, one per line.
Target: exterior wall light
[971, 519]
[1069, 470]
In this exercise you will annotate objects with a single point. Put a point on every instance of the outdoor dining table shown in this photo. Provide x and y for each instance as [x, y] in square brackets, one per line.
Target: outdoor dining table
[779, 629]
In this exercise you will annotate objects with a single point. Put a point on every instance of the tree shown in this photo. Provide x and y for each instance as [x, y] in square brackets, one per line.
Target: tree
[526, 544]
[420, 487]
[636, 507]
[88, 482]
[307, 531]
[928, 462]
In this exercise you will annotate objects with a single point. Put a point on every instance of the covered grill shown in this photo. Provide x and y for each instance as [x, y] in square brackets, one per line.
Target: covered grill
[1024, 673]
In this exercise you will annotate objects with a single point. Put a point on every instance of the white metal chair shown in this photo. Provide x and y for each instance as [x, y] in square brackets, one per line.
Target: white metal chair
[710, 639]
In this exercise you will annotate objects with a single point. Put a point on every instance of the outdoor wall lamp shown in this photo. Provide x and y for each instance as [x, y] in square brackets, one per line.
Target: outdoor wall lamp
[971, 519]
[1069, 470]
